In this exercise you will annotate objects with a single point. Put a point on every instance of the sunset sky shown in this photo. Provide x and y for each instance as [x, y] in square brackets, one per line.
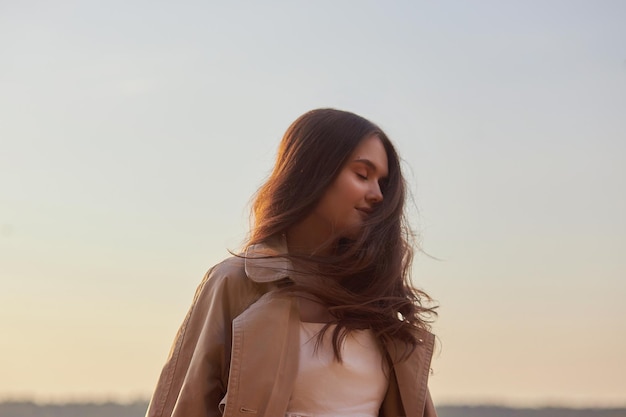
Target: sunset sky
[133, 134]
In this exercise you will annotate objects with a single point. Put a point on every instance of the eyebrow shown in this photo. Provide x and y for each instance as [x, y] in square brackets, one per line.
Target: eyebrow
[368, 163]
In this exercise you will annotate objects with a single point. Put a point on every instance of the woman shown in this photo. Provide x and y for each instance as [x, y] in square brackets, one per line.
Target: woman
[317, 317]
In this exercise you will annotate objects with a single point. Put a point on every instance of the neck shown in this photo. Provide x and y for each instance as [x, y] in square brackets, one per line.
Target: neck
[309, 238]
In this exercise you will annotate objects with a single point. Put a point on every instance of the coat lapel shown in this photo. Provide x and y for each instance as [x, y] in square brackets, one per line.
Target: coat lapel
[263, 363]
[411, 374]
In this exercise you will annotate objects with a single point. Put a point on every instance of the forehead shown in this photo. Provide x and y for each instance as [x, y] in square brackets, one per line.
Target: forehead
[371, 151]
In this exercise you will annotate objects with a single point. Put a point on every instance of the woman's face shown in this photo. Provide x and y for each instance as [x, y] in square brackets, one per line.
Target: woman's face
[351, 197]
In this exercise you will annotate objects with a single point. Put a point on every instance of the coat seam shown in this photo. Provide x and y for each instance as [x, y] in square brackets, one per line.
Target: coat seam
[178, 347]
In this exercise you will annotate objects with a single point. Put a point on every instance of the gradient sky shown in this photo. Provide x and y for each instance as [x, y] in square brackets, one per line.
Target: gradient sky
[133, 134]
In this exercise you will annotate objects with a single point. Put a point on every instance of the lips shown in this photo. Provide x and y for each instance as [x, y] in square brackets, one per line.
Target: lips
[365, 210]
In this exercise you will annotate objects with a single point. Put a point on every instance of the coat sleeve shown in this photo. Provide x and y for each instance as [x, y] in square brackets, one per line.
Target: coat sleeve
[195, 375]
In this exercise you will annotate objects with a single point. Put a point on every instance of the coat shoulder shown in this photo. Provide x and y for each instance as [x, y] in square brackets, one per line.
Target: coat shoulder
[229, 273]
[227, 284]
[231, 270]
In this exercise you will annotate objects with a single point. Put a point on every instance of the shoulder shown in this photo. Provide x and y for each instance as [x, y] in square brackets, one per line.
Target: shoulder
[231, 268]
[224, 292]
[241, 279]
[228, 276]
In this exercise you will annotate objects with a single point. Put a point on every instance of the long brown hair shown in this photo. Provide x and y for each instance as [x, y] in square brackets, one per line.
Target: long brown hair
[365, 282]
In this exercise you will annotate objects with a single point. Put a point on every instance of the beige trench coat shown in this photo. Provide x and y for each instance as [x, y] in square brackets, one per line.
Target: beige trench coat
[236, 353]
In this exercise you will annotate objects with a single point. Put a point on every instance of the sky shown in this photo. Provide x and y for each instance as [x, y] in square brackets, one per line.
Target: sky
[133, 135]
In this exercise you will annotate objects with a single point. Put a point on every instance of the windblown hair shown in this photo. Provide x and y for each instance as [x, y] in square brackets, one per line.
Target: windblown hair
[365, 282]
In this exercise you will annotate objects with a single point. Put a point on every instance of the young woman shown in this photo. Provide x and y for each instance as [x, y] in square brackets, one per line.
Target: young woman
[318, 316]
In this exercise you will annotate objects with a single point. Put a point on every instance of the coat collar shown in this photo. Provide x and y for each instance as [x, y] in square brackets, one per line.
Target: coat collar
[266, 262]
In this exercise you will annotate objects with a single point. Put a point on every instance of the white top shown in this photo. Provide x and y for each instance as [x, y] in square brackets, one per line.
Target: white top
[326, 388]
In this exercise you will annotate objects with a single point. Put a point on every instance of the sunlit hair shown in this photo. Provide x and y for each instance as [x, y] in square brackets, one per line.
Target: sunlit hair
[365, 281]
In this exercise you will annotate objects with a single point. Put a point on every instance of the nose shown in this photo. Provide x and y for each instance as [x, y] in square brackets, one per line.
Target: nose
[374, 194]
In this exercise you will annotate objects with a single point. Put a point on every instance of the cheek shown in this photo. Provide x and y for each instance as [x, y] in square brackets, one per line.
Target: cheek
[336, 204]
[326, 208]
[340, 199]
[349, 188]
